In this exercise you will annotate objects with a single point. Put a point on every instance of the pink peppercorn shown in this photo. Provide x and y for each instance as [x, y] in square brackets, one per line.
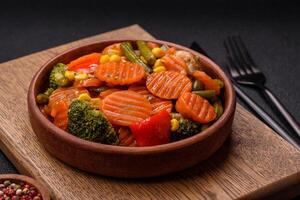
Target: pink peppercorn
[15, 198]
[33, 193]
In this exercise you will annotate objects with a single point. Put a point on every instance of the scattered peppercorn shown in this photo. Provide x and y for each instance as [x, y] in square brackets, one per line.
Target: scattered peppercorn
[18, 191]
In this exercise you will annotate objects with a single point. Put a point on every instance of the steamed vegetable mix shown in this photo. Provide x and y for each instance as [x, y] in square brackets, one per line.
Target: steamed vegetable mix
[132, 94]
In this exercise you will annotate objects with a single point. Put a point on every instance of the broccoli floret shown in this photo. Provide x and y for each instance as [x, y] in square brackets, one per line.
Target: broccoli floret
[57, 76]
[90, 124]
[187, 128]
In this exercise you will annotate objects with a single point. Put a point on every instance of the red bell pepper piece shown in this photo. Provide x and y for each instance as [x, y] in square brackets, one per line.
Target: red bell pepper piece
[154, 130]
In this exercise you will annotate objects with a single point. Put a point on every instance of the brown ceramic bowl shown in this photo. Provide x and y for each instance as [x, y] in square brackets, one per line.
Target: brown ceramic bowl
[129, 162]
[16, 178]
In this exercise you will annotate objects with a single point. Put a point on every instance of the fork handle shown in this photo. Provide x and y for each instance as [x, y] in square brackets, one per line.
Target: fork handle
[266, 117]
[284, 112]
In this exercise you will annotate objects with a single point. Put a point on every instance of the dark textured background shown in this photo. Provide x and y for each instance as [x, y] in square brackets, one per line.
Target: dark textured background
[271, 30]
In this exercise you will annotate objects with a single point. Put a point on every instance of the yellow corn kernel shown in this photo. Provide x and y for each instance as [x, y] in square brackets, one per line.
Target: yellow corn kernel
[113, 52]
[174, 124]
[95, 102]
[104, 59]
[159, 69]
[84, 97]
[114, 58]
[158, 52]
[81, 76]
[70, 75]
[158, 63]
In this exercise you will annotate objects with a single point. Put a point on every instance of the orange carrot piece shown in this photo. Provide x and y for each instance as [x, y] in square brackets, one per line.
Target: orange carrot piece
[90, 82]
[64, 94]
[152, 45]
[173, 63]
[145, 92]
[121, 73]
[113, 49]
[125, 137]
[209, 83]
[160, 106]
[171, 50]
[84, 61]
[126, 107]
[59, 113]
[168, 84]
[195, 107]
[108, 92]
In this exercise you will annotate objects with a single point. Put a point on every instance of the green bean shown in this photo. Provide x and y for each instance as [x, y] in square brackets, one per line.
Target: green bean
[130, 55]
[218, 108]
[146, 52]
[198, 85]
[207, 94]
[220, 82]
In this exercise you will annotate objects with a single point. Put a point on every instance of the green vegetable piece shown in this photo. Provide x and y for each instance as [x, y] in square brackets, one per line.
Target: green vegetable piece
[146, 52]
[218, 108]
[220, 82]
[207, 94]
[130, 55]
[90, 124]
[57, 76]
[187, 128]
[198, 85]
[49, 91]
[42, 99]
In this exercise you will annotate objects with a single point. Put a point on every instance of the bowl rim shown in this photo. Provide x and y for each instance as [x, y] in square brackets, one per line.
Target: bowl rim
[98, 147]
[18, 177]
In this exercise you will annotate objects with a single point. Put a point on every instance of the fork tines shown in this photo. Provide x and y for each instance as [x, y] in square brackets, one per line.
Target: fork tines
[241, 63]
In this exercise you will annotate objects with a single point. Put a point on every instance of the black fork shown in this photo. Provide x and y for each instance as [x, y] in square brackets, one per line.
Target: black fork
[245, 71]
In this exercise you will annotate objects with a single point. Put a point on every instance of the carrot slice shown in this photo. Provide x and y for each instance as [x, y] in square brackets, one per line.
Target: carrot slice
[173, 63]
[195, 107]
[126, 107]
[157, 104]
[120, 73]
[168, 84]
[108, 92]
[90, 82]
[209, 83]
[145, 92]
[84, 61]
[59, 113]
[64, 94]
[126, 138]
[160, 106]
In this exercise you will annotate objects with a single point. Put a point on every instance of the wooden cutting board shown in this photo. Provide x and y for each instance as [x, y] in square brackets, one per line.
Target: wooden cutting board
[253, 163]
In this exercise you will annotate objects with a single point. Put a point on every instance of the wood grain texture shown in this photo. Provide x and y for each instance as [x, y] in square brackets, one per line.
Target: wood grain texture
[253, 163]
